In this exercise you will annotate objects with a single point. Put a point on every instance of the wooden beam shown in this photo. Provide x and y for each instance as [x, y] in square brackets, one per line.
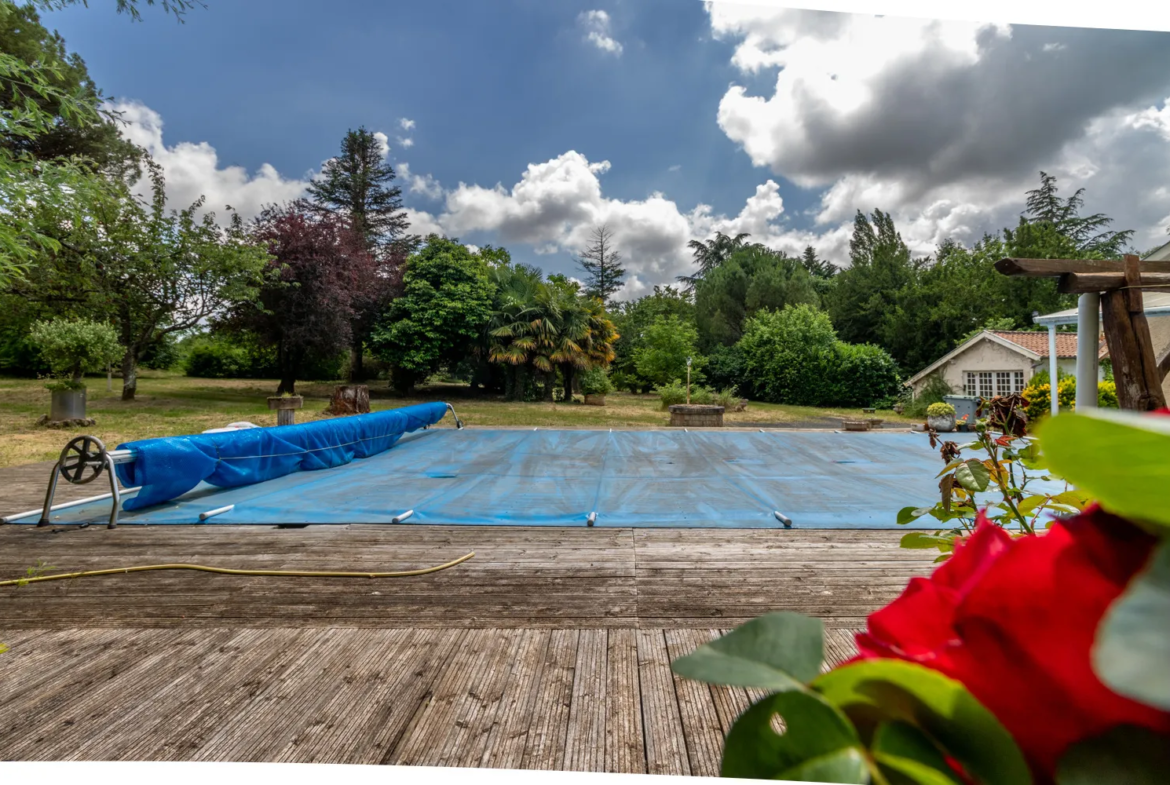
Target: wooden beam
[1051, 268]
[1085, 283]
[1135, 368]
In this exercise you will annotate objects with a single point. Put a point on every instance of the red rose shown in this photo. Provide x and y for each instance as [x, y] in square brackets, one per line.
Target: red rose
[1014, 620]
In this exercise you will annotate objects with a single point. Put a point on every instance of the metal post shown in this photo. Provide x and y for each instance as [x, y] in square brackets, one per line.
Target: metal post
[1053, 370]
[1088, 343]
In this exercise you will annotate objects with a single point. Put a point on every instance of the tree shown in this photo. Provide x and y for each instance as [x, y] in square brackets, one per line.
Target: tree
[863, 302]
[358, 185]
[75, 346]
[1086, 234]
[446, 303]
[710, 254]
[752, 279]
[95, 140]
[317, 268]
[60, 184]
[154, 272]
[601, 264]
[631, 320]
[665, 347]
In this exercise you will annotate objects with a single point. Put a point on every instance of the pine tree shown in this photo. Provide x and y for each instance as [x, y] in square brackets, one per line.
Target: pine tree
[601, 264]
[358, 185]
[817, 267]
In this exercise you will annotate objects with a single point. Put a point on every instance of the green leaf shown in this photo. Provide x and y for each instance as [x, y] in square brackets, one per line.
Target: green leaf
[973, 475]
[924, 540]
[875, 691]
[1132, 648]
[1031, 503]
[911, 754]
[818, 742]
[908, 514]
[1122, 459]
[778, 651]
[1125, 754]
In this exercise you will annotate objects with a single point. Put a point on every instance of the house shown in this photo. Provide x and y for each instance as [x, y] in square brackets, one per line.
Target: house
[1001, 362]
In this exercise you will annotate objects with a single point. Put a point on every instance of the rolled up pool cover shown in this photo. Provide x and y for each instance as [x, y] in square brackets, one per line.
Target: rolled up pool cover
[170, 466]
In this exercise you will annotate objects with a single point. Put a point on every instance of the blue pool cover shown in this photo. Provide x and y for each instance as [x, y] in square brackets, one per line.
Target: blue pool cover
[667, 478]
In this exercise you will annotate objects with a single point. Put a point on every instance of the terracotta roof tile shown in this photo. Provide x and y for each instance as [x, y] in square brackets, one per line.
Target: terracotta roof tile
[1037, 341]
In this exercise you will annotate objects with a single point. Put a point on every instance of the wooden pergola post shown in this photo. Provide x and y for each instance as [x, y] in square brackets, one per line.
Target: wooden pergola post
[1116, 285]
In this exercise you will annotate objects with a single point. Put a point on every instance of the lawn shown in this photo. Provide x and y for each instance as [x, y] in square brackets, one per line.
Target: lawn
[170, 404]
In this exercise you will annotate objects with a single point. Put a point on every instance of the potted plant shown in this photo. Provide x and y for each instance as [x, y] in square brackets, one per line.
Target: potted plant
[941, 417]
[71, 347]
[961, 424]
[595, 384]
[285, 405]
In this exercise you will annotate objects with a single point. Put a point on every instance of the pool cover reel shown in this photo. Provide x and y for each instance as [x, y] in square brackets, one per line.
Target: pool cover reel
[170, 466]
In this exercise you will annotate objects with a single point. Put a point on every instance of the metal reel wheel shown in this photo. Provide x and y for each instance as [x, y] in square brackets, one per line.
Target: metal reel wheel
[83, 460]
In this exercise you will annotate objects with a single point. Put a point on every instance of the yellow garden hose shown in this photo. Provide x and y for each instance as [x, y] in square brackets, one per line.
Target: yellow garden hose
[227, 571]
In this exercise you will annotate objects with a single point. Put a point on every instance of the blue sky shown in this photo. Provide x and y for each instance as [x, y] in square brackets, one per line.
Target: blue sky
[782, 123]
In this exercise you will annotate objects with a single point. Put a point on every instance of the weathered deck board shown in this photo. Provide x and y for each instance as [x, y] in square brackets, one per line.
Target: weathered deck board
[555, 578]
[549, 650]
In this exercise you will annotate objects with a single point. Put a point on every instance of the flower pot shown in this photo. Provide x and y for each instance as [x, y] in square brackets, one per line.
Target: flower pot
[593, 399]
[943, 424]
[285, 407]
[67, 405]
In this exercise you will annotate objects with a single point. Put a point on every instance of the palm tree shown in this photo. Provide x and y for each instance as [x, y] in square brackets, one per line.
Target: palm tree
[510, 334]
[711, 253]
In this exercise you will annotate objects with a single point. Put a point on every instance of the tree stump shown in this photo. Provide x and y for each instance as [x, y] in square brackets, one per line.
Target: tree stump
[349, 399]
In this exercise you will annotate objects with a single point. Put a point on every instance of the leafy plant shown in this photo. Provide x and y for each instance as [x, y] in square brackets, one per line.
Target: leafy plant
[1009, 461]
[75, 346]
[595, 381]
[934, 389]
[940, 410]
[872, 721]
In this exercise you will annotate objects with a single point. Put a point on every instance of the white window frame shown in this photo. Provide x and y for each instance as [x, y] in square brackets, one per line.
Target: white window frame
[988, 384]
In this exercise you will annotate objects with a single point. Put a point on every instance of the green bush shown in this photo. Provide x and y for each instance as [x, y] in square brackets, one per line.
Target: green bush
[76, 346]
[595, 381]
[724, 368]
[866, 375]
[793, 356]
[788, 356]
[933, 391]
[672, 394]
[223, 357]
[939, 410]
[728, 397]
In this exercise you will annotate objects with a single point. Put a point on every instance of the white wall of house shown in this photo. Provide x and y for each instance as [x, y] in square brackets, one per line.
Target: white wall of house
[984, 355]
[1160, 332]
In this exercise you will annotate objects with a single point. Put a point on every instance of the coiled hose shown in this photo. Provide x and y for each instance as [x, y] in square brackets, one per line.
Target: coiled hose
[228, 571]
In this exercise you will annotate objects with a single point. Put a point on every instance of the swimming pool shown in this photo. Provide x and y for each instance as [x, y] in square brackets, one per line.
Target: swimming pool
[540, 477]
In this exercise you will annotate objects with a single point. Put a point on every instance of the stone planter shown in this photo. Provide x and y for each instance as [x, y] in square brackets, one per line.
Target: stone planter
[696, 416]
[593, 399]
[874, 422]
[286, 408]
[856, 425]
[67, 405]
[944, 424]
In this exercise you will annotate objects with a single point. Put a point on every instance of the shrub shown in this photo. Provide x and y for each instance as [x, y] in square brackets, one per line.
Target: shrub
[595, 381]
[676, 392]
[223, 357]
[933, 391]
[75, 346]
[940, 410]
[1038, 395]
[724, 368]
[673, 393]
[793, 356]
[728, 397]
[866, 375]
[788, 356]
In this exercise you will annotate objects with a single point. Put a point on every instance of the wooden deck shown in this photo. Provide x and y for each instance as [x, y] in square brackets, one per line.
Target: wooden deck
[549, 650]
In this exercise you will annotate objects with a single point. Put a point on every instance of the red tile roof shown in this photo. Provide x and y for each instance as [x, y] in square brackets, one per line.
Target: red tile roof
[1037, 341]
